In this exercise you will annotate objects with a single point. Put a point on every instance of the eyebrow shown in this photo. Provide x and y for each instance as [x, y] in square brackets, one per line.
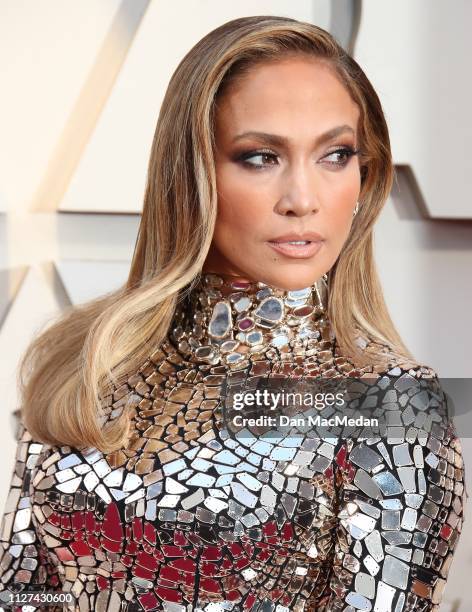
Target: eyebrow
[274, 139]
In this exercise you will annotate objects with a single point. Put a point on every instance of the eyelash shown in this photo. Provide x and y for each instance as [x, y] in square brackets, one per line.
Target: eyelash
[349, 151]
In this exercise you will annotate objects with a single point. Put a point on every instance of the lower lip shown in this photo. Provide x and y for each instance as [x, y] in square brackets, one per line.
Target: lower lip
[298, 251]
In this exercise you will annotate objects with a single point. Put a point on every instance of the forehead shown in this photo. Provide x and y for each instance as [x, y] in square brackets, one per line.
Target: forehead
[293, 89]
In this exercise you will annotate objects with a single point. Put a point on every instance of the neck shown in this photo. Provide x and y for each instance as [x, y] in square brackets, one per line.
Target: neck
[226, 319]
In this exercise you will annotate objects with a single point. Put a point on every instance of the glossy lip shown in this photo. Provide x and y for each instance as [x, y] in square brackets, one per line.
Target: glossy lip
[301, 251]
[297, 251]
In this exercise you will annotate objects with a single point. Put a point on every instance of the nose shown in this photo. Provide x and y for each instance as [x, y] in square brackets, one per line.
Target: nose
[298, 194]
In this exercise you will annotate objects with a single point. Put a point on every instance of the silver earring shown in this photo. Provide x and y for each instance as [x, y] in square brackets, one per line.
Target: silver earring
[355, 209]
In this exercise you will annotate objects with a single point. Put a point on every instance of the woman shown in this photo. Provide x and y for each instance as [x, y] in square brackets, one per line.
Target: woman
[269, 166]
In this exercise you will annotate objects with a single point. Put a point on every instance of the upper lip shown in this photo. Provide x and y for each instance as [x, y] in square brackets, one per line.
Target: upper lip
[312, 236]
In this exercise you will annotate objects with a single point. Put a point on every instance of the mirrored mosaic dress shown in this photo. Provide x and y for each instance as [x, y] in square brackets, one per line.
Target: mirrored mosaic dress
[187, 517]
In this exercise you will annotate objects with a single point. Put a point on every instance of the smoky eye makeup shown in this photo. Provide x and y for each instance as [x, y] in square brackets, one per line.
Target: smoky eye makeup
[347, 151]
[249, 158]
[261, 158]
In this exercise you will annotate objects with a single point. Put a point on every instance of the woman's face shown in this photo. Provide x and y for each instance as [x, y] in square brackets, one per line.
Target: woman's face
[285, 136]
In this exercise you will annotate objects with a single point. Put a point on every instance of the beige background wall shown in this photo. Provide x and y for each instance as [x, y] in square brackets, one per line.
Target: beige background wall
[82, 83]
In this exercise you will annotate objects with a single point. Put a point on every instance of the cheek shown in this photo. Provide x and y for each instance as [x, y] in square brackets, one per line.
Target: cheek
[240, 206]
[343, 197]
[346, 188]
[339, 211]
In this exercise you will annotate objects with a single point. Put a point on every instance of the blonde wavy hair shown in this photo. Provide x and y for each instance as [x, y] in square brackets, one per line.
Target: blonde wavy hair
[94, 347]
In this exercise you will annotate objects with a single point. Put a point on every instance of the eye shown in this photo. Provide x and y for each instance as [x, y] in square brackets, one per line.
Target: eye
[262, 156]
[342, 154]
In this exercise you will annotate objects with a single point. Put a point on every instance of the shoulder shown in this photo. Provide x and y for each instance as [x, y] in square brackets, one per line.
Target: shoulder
[414, 438]
[403, 378]
[28, 450]
[383, 358]
[410, 400]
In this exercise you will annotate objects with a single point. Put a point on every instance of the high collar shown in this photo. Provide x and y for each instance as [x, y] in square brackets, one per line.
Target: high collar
[224, 319]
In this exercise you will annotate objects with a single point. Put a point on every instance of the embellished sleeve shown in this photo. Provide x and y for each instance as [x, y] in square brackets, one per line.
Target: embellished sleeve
[400, 506]
[23, 557]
